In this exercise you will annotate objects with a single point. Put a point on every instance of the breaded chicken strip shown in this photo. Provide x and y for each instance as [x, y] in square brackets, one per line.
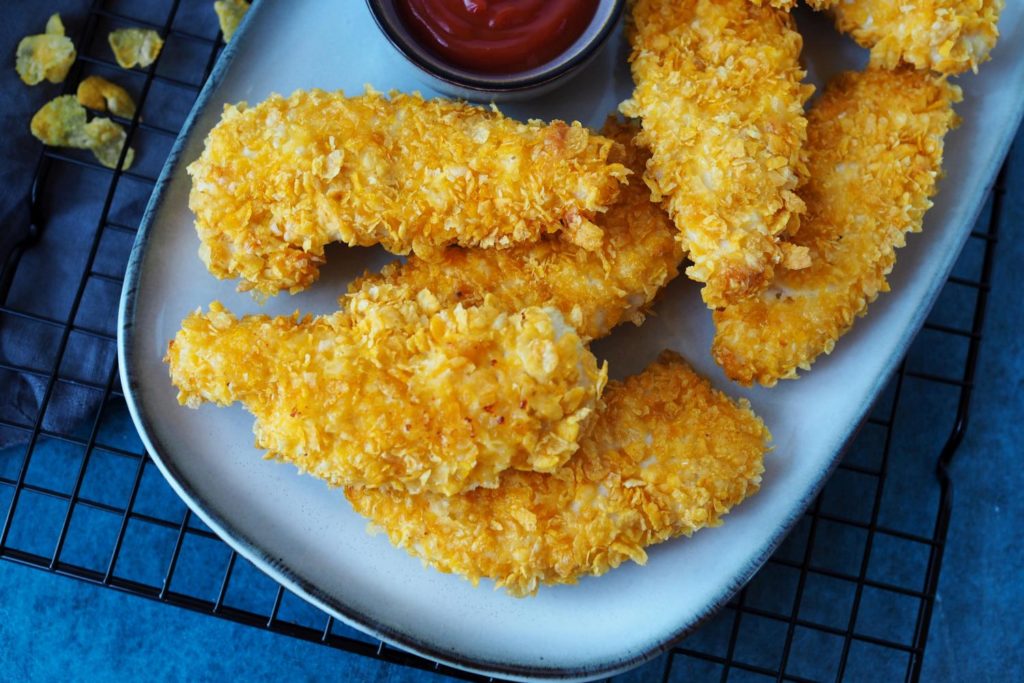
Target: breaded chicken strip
[719, 92]
[413, 396]
[875, 141]
[667, 456]
[594, 290]
[279, 181]
[948, 36]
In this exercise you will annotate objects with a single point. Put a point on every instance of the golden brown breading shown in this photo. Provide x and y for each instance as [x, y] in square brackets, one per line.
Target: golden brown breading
[412, 395]
[875, 142]
[594, 290]
[719, 92]
[781, 4]
[278, 181]
[948, 36]
[667, 456]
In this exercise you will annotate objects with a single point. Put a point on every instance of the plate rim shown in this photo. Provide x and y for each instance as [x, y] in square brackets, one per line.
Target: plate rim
[284, 574]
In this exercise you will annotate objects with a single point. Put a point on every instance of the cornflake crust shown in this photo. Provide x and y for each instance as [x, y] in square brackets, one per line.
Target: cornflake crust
[780, 4]
[948, 36]
[279, 181]
[230, 14]
[594, 290]
[875, 142]
[135, 46]
[96, 92]
[719, 93]
[668, 455]
[413, 396]
[47, 56]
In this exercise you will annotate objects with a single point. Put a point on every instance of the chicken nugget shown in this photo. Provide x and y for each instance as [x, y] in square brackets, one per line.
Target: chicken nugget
[61, 122]
[719, 94]
[279, 181]
[668, 455]
[948, 36]
[875, 141]
[412, 395]
[594, 290]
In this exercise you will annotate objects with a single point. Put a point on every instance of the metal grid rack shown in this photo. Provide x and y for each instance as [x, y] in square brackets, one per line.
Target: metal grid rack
[853, 586]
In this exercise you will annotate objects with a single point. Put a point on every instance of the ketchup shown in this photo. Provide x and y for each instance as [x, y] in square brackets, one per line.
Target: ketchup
[497, 36]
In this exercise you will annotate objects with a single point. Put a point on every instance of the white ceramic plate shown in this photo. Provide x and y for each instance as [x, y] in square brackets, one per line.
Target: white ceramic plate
[306, 536]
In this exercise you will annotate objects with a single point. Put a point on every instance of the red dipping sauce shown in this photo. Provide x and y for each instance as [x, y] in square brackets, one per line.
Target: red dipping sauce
[497, 36]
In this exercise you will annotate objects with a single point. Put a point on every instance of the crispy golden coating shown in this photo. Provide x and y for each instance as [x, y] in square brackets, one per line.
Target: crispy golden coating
[719, 92]
[230, 14]
[107, 139]
[668, 455]
[412, 395]
[594, 290]
[100, 94]
[47, 56]
[279, 181]
[875, 141]
[948, 36]
[61, 122]
[135, 46]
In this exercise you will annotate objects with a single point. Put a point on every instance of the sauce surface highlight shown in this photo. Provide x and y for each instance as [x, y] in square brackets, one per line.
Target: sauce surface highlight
[497, 36]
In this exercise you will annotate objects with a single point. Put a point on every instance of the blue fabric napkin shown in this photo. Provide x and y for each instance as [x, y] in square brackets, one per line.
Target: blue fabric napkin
[47, 277]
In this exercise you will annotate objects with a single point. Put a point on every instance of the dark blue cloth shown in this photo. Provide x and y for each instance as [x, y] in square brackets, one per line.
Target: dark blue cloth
[44, 284]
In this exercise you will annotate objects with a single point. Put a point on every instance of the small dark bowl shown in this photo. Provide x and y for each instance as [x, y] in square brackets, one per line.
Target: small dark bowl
[479, 87]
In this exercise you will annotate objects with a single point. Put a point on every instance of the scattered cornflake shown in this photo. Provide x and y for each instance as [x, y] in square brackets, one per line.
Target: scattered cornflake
[135, 46]
[230, 14]
[61, 123]
[100, 94]
[106, 140]
[47, 56]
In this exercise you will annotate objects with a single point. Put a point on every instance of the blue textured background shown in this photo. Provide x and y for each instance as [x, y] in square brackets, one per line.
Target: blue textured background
[52, 627]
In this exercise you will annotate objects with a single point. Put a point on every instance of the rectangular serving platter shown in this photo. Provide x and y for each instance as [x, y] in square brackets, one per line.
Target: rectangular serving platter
[304, 534]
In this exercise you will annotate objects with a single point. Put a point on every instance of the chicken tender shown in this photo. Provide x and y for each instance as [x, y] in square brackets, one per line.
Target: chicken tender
[594, 290]
[413, 396]
[781, 4]
[668, 455]
[279, 181]
[876, 143]
[948, 36]
[719, 92]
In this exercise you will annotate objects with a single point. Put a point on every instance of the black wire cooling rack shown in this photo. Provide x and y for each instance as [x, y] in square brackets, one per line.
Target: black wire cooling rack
[849, 595]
